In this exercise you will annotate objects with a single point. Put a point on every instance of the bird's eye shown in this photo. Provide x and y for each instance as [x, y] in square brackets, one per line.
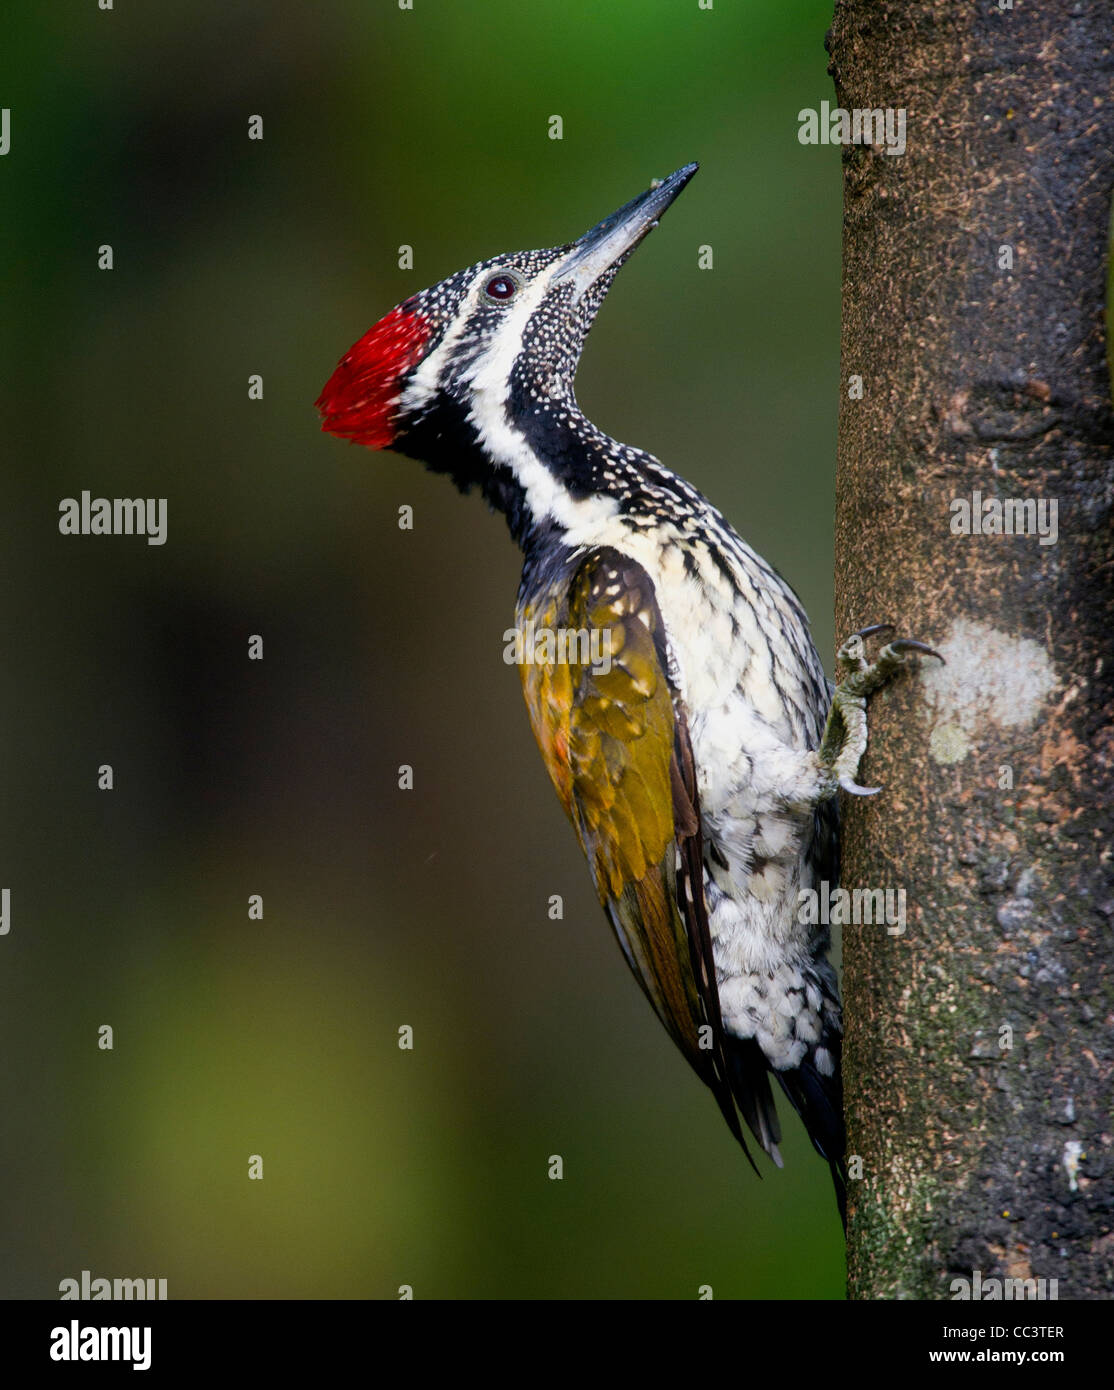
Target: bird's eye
[501, 287]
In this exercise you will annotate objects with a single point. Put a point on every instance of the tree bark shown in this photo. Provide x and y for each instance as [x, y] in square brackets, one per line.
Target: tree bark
[978, 1048]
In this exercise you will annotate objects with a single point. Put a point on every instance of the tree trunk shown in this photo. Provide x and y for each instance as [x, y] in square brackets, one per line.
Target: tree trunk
[978, 1051]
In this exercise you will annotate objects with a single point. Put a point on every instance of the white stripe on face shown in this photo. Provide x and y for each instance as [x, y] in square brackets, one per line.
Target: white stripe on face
[490, 378]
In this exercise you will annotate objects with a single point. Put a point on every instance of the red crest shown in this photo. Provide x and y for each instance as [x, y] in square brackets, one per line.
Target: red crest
[359, 398]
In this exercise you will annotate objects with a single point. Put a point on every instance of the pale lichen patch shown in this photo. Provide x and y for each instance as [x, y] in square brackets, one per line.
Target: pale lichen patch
[989, 678]
[949, 744]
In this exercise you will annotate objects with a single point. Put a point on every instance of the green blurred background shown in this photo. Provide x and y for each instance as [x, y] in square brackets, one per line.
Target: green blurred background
[382, 908]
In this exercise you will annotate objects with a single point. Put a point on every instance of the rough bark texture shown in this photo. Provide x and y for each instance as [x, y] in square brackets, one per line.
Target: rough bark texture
[982, 1149]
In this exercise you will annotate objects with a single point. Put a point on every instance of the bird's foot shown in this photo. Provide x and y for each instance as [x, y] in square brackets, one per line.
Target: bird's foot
[845, 734]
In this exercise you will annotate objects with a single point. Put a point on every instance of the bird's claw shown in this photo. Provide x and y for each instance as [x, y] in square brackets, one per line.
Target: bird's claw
[903, 644]
[845, 735]
[873, 630]
[855, 790]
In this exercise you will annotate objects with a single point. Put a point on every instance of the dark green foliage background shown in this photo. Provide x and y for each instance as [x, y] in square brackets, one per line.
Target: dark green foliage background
[427, 908]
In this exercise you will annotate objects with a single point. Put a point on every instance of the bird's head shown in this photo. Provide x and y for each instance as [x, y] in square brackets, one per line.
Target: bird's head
[443, 373]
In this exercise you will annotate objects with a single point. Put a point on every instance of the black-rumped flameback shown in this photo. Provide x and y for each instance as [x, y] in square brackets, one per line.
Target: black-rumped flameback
[699, 764]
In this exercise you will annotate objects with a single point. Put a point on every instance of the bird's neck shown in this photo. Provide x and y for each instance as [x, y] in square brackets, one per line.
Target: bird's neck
[536, 458]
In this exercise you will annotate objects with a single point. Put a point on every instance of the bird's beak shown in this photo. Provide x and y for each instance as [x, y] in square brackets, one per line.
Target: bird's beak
[613, 239]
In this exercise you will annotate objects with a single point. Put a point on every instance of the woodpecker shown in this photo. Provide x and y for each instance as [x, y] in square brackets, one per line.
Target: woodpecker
[700, 763]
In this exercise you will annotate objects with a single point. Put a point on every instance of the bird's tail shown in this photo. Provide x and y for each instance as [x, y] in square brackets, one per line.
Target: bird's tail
[750, 1085]
[819, 1102]
[817, 1099]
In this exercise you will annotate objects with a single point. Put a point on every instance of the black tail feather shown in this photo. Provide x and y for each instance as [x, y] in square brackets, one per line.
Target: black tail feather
[817, 1099]
[819, 1102]
[750, 1084]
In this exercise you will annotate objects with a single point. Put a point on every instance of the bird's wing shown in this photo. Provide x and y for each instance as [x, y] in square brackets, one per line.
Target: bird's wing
[615, 740]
